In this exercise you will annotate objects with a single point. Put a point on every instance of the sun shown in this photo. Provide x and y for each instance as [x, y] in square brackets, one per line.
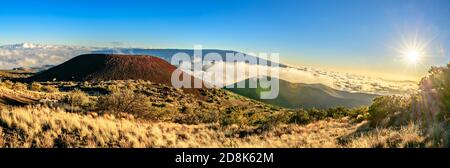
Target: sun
[412, 56]
[412, 50]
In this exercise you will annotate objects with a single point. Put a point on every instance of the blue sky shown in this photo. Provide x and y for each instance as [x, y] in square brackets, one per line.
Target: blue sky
[345, 35]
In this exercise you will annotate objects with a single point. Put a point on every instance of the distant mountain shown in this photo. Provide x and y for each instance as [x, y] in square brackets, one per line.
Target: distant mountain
[167, 54]
[34, 69]
[299, 95]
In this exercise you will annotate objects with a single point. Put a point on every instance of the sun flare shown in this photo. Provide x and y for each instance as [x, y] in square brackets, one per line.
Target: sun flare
[412, 56]
[413, 50]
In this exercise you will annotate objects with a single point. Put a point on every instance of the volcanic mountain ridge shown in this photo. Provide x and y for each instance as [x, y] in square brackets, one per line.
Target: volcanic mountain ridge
[104, 67]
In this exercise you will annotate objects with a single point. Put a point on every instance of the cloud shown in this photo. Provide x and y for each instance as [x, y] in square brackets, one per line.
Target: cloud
[364, 84]
[300, 76]
[35, 55]
[340, 81]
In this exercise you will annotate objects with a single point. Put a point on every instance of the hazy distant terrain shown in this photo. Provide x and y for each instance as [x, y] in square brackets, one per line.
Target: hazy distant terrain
[35, 55]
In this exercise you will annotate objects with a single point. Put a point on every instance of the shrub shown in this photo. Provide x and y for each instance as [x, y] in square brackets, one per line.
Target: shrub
[244, 117]
[317, 114]
[35, 86]
[159, 114]
[234, 115]
[437, 86]
[431, 105]
[190, 115]
[271, 120]
[50, 89]
[389, 110]
[78, 101]
[434, 104]
[359, 114]
[338, 112]
[429, 108]
[124, 101]
[19, 86]
[300, 117]
[8, 84]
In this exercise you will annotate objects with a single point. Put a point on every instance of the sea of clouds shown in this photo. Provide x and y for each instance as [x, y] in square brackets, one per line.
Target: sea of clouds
[35, 55]
[217, 75]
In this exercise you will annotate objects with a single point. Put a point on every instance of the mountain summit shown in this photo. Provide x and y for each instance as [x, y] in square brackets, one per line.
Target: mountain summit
[103, 67]
[100, 67]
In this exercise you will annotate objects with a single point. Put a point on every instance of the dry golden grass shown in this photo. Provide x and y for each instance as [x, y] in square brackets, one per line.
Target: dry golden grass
[408, 136]
[31, 94]
[39, 126]
[44, 127]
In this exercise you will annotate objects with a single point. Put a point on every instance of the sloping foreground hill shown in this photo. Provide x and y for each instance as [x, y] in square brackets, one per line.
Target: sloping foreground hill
[9, 99]
[295, 95]
[45, 128]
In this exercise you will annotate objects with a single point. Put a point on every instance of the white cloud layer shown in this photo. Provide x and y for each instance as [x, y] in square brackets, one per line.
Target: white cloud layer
[336, 80]
[35, 55]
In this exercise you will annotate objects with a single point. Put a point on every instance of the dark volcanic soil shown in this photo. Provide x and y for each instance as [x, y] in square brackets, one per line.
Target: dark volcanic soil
[99, 67]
